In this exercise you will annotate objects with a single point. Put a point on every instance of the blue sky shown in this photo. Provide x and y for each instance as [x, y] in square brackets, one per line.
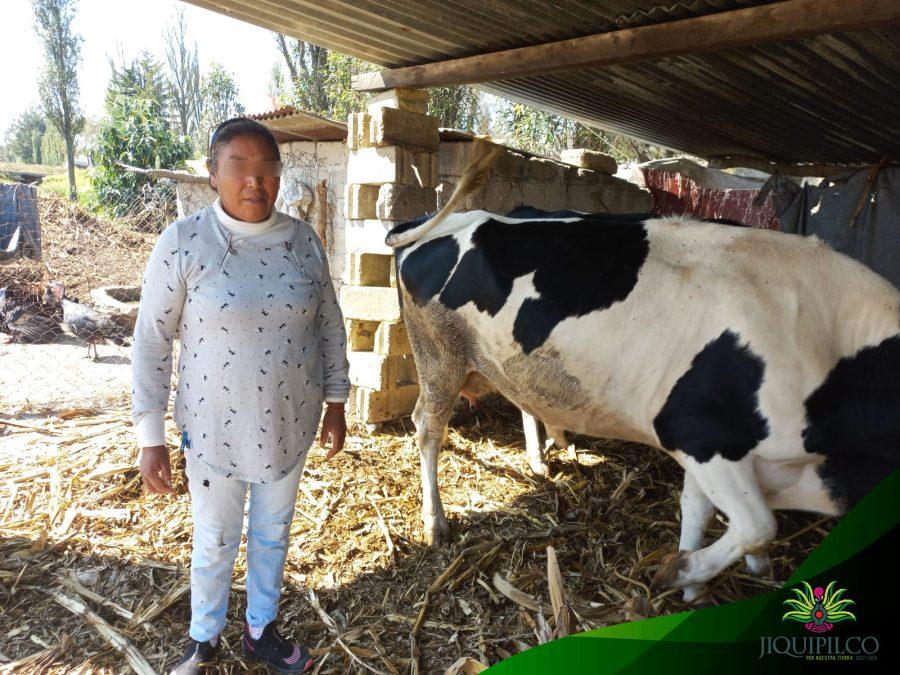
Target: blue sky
[106, 25]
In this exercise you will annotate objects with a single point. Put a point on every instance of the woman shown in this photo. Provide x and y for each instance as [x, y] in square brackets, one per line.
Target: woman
[248, 292]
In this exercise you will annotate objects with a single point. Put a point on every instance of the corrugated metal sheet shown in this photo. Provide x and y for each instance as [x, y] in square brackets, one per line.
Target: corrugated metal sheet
[831, 98]
[290, 124]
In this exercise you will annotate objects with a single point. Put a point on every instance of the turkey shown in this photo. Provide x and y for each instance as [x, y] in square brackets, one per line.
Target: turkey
[25, 318]
[85, 323]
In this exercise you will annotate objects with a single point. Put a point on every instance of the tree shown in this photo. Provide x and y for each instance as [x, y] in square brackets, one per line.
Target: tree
[184, 70]
[53, 147]
[457, 108]
[59, 80]
[143, 78]
[219, 101]
[136, 134]
[20, 137]
[318, 79]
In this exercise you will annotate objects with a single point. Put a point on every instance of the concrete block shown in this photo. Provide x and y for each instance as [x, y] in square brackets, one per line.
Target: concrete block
[453, 158]
[371, 303]
[543, 195]
[361, 335]
[372, 406]
[590, 159]
[374, 371]
[544, 169]
[391, 339]
[359, 131]
[393, 164]
[404, 202]
[361, 201]
[403, 98]
[370, 269]
[500, 196]
[392, 126]
[367, 236]
[511, 165]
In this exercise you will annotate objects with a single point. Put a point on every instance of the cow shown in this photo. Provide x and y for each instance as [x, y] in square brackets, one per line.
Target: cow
[766, 364]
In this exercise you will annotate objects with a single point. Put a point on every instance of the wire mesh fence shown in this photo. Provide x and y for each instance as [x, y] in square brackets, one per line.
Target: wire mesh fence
[66, 319]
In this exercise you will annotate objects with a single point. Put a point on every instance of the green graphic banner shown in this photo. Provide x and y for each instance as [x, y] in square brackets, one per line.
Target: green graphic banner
[838, 611]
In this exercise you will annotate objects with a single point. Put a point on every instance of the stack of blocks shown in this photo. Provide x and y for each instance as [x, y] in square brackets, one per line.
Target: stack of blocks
[392, 173]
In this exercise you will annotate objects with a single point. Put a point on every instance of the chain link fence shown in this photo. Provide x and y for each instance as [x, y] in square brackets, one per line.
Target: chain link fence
[66, 319]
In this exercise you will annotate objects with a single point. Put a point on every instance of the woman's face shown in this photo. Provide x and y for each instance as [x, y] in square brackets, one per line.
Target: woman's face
[246, 176]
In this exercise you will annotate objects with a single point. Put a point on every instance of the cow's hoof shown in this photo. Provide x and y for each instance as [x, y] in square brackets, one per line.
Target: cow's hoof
[667, 574]
[437, 533]
[759, 565]
[691, 594]
[539, 469]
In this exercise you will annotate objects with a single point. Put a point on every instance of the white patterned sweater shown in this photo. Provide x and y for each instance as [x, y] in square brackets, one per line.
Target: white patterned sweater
[262, 342]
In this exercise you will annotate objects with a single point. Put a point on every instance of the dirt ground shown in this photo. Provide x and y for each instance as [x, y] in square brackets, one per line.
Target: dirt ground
[362, 588]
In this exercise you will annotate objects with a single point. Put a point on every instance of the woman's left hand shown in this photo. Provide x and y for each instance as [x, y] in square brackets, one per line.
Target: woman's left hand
[335, 426]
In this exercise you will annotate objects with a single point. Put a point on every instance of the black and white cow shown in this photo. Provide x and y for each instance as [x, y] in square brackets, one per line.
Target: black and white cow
[767, 365]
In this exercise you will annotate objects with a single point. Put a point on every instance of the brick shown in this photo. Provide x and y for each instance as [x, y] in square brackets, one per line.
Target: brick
[404, 202]
[361, 201]
[499, 196]
[374, 371]
[402, 98]
[393, 164]
[590, 159]
[361, 335]
[547, 196]
[370, 269]
[371, 303]
[373, 406]
[391, 339]
[511, 165]
[390, 126]
[367, 236]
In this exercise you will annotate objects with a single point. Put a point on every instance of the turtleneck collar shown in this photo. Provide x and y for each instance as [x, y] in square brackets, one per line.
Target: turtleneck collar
[242, 226]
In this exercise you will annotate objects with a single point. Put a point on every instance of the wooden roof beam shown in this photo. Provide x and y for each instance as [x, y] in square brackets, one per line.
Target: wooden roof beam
[786, 20]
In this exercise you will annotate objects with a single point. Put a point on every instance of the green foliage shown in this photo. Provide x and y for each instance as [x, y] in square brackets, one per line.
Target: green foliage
[138, 135]
[458, 108]
[143, 79]
[525, 127]
[219, 101]
[20, 146]
[318, 79]
[53, 147]
[58, 83]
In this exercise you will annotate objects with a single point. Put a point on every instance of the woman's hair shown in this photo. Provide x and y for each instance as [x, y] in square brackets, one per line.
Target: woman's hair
[240, 126]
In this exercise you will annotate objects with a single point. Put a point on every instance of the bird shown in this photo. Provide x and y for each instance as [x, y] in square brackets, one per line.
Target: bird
[25, 318]
[86, 323]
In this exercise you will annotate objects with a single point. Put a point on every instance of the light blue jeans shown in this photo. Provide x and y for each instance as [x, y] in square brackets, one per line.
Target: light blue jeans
[217, 504]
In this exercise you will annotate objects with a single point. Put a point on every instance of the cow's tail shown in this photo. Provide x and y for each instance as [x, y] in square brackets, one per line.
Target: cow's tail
[484, 154]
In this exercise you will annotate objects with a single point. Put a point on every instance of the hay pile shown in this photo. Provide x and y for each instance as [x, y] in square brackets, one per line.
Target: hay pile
[83, 250]
[94, 572]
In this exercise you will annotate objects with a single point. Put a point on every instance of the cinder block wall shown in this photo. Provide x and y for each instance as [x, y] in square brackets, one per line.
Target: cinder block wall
[519, 179]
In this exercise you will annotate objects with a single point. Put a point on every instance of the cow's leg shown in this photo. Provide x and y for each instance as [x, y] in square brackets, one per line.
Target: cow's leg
[696, 510]
[534, 453]
[557, 436]
[431, 415]
[733, 489]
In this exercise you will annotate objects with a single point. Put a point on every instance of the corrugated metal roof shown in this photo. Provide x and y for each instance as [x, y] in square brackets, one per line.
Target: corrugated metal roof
[290, 124]
[831, 98]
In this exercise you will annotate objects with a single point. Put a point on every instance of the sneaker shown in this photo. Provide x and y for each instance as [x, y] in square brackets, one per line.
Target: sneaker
[198, 656]
[276, 651]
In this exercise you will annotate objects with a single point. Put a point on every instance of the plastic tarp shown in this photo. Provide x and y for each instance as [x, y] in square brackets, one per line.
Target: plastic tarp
[856, 213]
[20, 229]
[679, 186]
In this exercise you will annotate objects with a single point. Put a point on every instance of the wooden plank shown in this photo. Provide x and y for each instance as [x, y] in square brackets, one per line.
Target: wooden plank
[787, 20]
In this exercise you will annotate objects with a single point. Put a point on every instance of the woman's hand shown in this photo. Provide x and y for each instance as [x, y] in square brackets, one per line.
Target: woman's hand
[155, 469]
[334, 425]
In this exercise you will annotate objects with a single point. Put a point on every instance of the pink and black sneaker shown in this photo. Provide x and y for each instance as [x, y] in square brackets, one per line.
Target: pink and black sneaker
[276, 651]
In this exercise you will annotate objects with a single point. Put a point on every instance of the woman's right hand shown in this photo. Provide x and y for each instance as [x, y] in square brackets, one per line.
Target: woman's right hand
[155, 469]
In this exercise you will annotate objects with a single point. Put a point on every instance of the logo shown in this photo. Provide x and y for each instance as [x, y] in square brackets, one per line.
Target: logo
[819, 609]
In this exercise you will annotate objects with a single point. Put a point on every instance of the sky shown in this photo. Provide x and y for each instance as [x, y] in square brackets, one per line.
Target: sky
[247, 51]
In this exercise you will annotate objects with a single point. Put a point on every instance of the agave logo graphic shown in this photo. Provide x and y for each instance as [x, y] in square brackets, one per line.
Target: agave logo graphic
[818, 609]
